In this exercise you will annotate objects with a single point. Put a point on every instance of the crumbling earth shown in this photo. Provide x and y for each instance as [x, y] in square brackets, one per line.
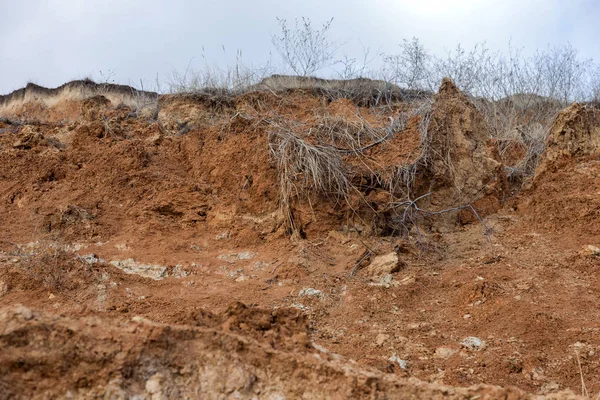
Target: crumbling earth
[146, 250]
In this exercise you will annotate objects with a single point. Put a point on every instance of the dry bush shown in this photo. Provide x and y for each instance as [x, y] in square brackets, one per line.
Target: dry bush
[214, 80]
[304, 166]
[347, 136]
[518, 95]
[303, 48]
[316, 159]
[56, 269]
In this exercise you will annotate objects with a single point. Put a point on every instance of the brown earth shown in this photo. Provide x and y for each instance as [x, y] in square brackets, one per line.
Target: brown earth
[144, 252]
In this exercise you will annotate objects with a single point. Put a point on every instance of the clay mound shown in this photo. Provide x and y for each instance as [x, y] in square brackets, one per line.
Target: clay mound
[461, 166]
[575, 135]
[563, 196]
[46, 356]
[34, 102]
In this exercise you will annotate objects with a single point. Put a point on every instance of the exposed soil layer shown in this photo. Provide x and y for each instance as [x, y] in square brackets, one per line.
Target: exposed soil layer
[146, 252]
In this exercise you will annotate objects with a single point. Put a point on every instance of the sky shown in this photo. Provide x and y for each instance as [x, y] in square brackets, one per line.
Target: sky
[50, 42]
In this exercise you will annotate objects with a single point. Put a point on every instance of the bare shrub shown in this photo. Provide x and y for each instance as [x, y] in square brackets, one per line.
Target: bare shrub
[351, 67]
[216, 80]
[304, 48]
[411, 67]
[316, 158]
[518, 95]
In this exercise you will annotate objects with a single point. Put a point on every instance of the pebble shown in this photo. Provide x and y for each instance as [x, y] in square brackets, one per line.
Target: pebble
[384, 265]
[473, 343]
[381, 339]
[591, 250]
[401, 363]
[310, 292]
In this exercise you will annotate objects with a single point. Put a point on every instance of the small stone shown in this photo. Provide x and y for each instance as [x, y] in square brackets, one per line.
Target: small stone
[472, 343]
[234, 257]
[444, 352]
[25, 312]
[154, 384]
[381, 339]
[130, 266]
[310, 292]
[320, 348]
[467, 316]
[384, 265]
[590, 250]
[223, 236]
[300, 307]
[397, 360]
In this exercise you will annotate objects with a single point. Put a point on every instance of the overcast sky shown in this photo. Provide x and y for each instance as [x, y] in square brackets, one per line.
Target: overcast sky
[50, 42]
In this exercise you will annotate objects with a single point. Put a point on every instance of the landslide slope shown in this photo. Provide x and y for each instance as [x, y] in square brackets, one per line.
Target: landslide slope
[133, 221]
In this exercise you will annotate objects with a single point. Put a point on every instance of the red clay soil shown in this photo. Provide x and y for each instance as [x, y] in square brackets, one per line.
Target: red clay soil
[149, 257]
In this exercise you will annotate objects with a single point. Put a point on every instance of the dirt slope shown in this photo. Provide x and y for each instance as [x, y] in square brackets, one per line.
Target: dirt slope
[114, 217]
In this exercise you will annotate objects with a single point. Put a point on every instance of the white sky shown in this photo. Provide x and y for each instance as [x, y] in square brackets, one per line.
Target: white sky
[53, 41]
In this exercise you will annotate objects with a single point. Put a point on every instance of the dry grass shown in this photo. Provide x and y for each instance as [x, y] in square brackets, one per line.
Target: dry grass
[520, 122]
[304, 166]
[317, 158]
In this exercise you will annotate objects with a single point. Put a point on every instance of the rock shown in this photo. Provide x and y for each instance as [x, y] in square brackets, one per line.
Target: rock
[473, 343]
[154, 386]
[25, 312]
[397, 360]
[130, 266]
[179, 272]
[3, 288]
[381, 339]
[300, 307]
[384, 265]
[223, 236]
[310, 292]
[320, 348]
[92, 259]
[590, 250]
[234, 257]
[444, 352]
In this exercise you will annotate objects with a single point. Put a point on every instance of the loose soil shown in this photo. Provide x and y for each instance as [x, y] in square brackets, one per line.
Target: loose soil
[145, 253]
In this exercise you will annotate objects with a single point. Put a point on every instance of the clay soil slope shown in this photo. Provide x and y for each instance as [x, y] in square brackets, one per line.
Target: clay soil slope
[291, 244]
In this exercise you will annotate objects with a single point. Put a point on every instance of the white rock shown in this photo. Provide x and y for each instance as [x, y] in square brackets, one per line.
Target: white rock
[25, 312]
[154, 386]
[473, 343]
[130, 266]
[384, 265]
[233, 257]
[590, 250]
[310, 292]
[223, 236]
[401, 363]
